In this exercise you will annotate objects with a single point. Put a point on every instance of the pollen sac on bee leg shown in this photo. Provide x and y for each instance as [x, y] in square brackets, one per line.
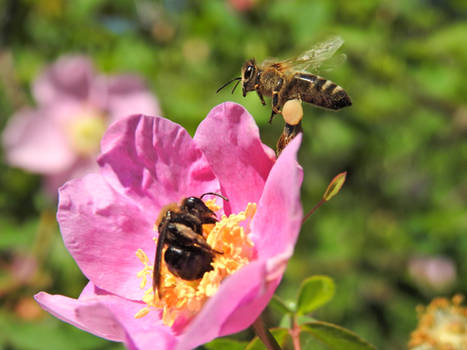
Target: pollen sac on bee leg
[292, 112]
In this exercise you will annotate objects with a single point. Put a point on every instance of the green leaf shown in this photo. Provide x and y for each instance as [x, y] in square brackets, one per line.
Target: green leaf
[280, 334]
[335, 186]
[314, 292]
[225, 343]
[308, 342]
[280, 305]
[335, 337]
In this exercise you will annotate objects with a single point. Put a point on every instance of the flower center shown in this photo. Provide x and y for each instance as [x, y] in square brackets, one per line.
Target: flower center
[442, 325]
[85, 133]
[183, 299]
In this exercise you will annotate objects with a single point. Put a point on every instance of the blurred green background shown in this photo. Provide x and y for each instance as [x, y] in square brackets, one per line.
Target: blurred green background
[403, 142]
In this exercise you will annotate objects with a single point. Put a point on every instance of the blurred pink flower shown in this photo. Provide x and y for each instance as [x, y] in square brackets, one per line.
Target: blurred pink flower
[145, 164]
[242, 5]
[60, 138]
[436, 272]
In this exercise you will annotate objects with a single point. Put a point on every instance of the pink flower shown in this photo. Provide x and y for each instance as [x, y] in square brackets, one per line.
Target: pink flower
[242, 5]
[146, 163]
[436, 272]
[60, 138]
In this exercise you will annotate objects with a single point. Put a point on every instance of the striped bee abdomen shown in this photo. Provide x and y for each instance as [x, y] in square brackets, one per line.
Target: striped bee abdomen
[318, 91]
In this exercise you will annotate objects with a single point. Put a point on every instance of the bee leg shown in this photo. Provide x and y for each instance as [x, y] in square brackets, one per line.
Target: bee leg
[185, 235]
[260, 95]
[288, 134]
[272, 116]
[156, 275]
[275, 99]
[275, 104]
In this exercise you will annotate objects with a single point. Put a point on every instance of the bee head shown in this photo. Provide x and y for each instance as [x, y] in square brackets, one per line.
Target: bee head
[249, 70]
[195, 206]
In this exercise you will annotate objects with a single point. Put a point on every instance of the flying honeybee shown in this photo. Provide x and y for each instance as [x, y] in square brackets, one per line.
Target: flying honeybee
[188, 255]
[289, 79]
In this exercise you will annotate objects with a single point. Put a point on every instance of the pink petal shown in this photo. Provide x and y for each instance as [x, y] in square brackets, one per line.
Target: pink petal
[230, 140]
[110, 317]
[70, 77]
[277, 222]
[36, 143]
[275, 266]
[147, 332]
[124, 95]
[88, 291]
[68, 310]
[240, 292]
[65, 112]
[102, 230]
[154, 162]
[124, 106]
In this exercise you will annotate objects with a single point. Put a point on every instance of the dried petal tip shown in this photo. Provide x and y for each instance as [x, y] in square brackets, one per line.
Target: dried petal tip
[183, 299]
[442, 325]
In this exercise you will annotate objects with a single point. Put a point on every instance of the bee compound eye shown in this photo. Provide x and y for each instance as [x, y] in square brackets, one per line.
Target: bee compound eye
[193, 203]
[248, 72]
[190, 202]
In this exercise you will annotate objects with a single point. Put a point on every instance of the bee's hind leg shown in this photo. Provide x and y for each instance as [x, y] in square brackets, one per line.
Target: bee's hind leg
[275, 99]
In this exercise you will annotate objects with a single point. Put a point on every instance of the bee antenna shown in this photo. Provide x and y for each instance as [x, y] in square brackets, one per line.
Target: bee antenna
[229, 82]
[238, 82]
[214, 194]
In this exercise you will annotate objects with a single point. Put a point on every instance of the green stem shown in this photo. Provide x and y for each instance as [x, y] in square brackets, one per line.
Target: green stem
[264, 334]
[307, 216]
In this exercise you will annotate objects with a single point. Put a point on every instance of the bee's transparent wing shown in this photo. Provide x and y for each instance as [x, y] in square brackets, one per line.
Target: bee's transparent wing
[331, 63]
[313, 58]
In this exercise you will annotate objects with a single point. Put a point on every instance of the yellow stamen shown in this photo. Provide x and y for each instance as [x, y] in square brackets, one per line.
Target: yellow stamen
[183, 298]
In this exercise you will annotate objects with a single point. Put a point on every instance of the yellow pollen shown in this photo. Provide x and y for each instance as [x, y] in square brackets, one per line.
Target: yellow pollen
[85, 132]
[183, 299]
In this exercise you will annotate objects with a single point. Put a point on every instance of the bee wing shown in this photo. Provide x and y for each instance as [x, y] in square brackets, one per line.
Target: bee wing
[156, 274]
[313, 58]
[331, 63]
